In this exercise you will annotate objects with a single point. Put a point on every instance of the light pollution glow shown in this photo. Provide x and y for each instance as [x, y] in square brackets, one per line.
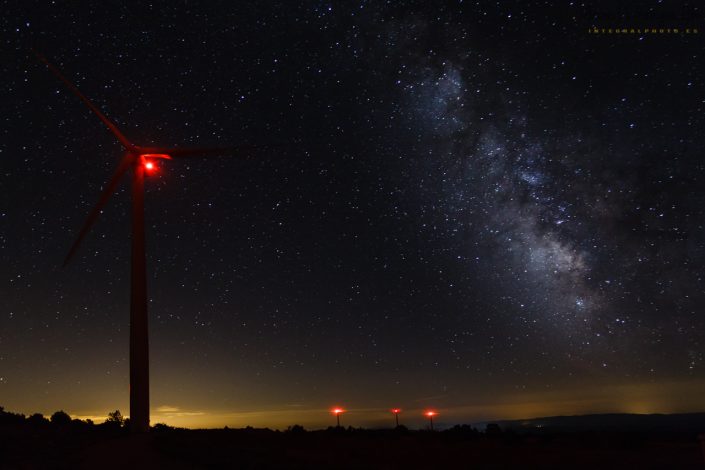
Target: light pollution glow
[646, 398]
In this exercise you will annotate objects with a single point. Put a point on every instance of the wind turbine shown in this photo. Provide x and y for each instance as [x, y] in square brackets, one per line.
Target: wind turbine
[142, 161]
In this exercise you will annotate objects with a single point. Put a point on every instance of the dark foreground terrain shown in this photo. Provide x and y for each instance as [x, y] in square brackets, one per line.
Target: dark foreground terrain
[39, 443]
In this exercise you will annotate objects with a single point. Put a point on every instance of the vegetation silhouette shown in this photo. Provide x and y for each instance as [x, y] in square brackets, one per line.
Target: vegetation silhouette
[115, 419]
[60, 418]
[62, 442]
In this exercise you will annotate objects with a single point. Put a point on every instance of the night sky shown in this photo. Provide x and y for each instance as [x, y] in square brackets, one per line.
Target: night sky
[480, 208]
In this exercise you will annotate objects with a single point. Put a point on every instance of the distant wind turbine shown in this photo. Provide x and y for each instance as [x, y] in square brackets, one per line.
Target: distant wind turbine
[141, 160]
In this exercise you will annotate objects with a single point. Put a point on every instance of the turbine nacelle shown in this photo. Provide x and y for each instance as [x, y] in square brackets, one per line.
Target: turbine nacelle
[148, 156]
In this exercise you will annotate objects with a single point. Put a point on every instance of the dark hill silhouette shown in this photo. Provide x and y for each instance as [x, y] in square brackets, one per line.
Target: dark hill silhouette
[669, 423]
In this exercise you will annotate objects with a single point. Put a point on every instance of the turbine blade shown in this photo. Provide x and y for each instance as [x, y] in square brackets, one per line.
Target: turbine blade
[204, 152]
[95, 212]
[113, 128]
[238, 151]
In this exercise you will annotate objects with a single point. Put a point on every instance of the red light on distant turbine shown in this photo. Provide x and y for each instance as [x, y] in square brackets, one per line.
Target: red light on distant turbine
[396, 415]
[337, 412]
[149, 165]
[430, 414]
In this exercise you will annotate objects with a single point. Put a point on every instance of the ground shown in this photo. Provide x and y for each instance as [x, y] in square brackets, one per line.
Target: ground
[348, 449]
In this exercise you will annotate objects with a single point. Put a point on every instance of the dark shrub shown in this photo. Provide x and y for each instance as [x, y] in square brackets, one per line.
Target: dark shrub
[60, 418]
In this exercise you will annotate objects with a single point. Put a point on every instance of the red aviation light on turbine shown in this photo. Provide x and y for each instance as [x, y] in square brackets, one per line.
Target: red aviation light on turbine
[149, 160]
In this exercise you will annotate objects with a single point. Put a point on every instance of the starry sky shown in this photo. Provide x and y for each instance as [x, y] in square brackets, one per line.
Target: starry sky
[482, 208]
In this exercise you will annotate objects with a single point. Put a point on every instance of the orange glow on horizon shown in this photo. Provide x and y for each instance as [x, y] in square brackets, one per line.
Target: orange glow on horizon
[197, 411]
